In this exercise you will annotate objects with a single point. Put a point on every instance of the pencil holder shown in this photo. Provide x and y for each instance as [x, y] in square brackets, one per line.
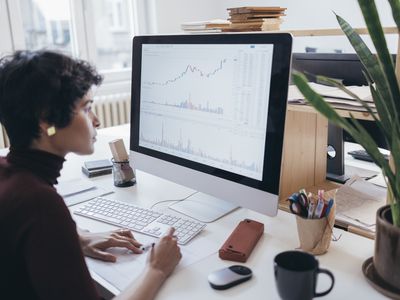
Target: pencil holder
[123, 174]
[315, 234]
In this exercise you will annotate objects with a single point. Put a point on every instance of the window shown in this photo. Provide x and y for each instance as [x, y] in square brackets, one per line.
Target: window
[100, 31]
[46, 24]
[112, 34]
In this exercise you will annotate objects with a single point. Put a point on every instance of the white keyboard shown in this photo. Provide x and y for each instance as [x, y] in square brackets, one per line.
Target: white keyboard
[139, 219]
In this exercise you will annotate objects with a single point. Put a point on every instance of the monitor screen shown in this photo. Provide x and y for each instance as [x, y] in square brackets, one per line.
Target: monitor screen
[208, 104]
[214, 104]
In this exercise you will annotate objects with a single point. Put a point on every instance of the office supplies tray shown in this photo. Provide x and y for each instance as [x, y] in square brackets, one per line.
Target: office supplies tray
[377, 282]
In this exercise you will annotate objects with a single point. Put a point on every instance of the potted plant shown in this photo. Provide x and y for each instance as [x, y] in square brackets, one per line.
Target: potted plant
[385, 91]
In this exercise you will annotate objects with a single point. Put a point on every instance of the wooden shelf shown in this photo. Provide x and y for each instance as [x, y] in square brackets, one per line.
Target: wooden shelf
[333, 31]
[342, 112]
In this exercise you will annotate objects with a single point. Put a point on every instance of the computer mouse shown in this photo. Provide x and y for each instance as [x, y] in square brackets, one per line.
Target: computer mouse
[228, 277]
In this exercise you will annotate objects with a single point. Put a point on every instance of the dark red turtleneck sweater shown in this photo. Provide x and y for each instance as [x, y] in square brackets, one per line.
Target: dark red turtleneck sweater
[39, 251]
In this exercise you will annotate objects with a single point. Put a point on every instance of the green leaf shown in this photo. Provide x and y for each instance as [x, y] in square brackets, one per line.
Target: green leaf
[365, 140]
[395, 4]
[372, 66]
[375, 30]
[343, 88]
[385, 130]
[367, 77]
[395, 207]
[395, 152]
[384, 116]
[355, 129]
[319, 103]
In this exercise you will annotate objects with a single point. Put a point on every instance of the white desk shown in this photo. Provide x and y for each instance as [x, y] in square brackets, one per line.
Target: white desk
[344, 257]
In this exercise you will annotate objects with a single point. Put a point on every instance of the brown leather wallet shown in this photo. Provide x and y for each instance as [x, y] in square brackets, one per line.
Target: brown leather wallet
[242, 241]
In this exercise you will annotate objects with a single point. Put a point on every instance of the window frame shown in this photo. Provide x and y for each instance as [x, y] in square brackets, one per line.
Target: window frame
[83, 40]
[6, 46]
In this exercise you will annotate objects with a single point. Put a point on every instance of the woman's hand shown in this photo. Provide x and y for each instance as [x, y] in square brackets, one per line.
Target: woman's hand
[165, 255]
[162, 260]
[94, 244]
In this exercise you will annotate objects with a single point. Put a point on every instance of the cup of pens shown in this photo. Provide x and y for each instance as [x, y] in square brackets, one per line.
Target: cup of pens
[315, 217]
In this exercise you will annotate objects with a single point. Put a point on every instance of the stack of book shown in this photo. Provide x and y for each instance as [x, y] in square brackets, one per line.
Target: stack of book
[255, 18]
[205, 26]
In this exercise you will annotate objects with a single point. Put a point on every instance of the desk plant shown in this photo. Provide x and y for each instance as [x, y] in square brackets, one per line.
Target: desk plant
[384, 86]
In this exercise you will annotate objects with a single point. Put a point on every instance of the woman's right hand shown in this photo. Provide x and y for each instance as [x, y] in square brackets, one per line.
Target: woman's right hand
[162, 260]
[165, 255]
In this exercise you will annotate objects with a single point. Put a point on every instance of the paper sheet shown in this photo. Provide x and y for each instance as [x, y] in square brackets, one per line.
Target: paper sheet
[358, 201]
[87, 195]
[363, 173]
[78, 190]
[335, 96]
[74, 186]
[129, 266]
[378, 180]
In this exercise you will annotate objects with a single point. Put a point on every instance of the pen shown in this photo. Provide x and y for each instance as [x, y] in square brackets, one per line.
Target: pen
[328, 209]
[147, 246]
[311, 208]
[319, 208]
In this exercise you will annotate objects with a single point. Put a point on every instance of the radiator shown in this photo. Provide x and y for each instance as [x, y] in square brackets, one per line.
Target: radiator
[113, 109]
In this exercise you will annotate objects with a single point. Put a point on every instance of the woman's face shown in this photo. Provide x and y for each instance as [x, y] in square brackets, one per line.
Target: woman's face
[80, 135]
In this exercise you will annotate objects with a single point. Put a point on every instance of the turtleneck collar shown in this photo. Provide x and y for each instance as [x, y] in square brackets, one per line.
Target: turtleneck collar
[43, 164]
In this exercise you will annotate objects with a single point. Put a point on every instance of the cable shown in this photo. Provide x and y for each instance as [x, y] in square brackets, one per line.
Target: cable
[172, 200]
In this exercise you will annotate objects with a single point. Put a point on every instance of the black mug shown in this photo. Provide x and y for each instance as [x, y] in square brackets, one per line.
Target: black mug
[296, 275]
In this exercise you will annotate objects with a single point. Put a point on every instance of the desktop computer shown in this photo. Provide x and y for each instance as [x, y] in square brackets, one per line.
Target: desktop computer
[208, 112]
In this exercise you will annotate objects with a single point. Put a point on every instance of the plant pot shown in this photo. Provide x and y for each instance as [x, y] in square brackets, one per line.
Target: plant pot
[387, 248]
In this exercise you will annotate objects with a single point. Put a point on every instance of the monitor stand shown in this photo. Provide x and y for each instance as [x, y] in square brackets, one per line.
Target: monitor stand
[203, 207]
[337, 178]
[335, 155]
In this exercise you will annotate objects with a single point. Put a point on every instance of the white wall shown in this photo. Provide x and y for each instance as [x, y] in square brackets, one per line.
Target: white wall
[167, 15]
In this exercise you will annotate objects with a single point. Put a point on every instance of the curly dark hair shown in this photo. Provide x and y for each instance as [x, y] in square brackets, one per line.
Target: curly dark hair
[40, 86]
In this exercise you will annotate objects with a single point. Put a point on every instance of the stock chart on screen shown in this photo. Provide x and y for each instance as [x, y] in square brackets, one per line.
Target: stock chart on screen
[207, 103]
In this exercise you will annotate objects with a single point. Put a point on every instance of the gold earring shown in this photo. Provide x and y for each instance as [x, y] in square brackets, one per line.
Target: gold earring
[51, 131]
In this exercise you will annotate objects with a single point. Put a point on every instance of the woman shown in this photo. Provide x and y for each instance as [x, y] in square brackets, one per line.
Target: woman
[46, 109]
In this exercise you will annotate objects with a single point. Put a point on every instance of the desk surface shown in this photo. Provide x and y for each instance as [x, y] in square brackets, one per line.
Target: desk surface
[344, 258]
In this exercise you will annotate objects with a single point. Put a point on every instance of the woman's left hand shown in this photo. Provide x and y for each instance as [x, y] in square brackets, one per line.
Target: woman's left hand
[94, 244]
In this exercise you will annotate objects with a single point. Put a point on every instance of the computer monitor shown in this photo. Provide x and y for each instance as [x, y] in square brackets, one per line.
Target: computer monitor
[208, 112]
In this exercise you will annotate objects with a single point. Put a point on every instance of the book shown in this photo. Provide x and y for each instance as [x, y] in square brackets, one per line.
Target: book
[96, 172]
[240, 29]
[256, 9]
[258, 20]
[97, 164]
[199, 31]
[255, 18]
[253, 26]
[208, 24]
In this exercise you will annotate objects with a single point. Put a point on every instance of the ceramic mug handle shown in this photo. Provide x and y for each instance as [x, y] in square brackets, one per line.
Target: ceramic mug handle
[327, 272]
